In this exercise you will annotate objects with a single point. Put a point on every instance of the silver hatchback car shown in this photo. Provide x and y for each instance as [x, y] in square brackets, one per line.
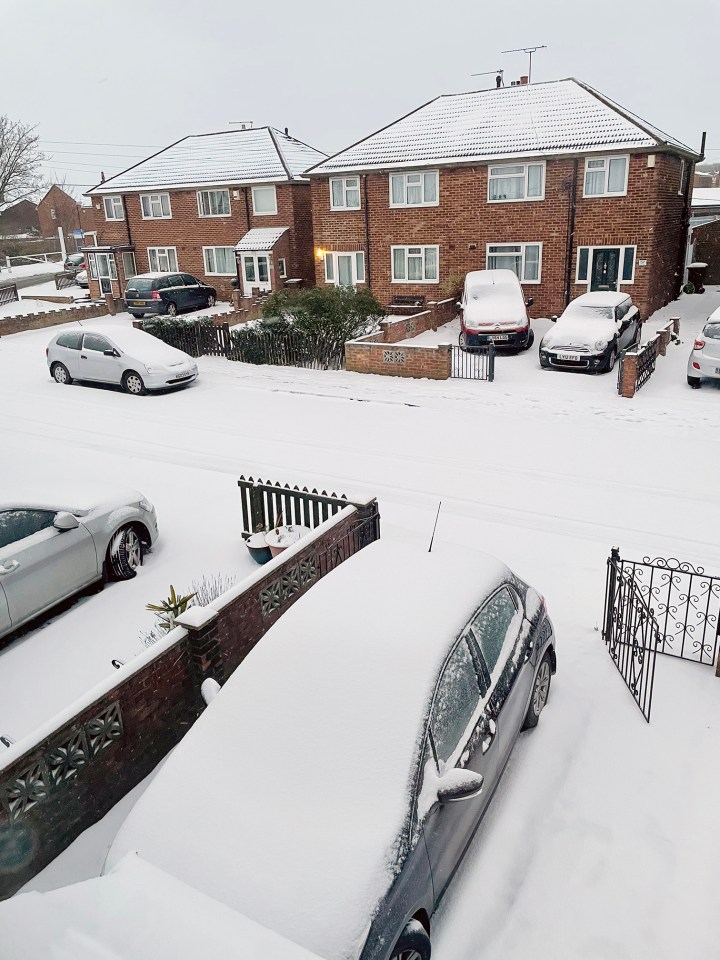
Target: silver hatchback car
[704, 361]
[50, 549]
[124, 356]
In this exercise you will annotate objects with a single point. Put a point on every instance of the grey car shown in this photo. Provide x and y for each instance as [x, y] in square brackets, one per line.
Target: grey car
[335, 782]
[51, 548]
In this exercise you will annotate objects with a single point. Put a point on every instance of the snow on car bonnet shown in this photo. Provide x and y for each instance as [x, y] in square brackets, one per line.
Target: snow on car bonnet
[288, 796]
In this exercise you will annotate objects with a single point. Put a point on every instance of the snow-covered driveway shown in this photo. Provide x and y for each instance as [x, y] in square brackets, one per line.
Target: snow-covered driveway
[601, 840]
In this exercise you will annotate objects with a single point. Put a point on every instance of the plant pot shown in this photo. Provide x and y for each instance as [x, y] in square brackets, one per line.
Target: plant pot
[281, 538]
[258, 548]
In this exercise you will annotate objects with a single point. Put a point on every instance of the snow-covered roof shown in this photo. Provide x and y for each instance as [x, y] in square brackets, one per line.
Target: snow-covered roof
[288, 797]
[137, 912]
[541, 119]
[706, 197]
[261, 238]
[256, 155]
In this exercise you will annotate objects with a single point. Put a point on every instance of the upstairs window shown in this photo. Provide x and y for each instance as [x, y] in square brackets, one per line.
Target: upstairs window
[264, 201]
[213, 203]
[114, 208]
[606, 177]
[53, 215]
[345, 193]
[516, 181]
[414, 189]
[155, 206]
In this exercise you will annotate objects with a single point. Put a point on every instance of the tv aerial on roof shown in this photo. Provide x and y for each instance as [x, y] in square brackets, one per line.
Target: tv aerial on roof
[529, 51]
[243, 124]
[486, 73]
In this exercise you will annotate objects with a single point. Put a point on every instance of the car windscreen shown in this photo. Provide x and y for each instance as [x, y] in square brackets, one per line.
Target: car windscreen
[140, 284]
[592, 313]
[712, 331]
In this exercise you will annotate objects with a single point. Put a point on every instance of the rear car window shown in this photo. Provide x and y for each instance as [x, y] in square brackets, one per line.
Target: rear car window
[139, 284]
[494, 624]
[71, 340]
[712, 330]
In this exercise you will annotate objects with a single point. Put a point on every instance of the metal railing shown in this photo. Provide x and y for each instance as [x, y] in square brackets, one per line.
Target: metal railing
[9, 294]
[473, 363]
[646, 358]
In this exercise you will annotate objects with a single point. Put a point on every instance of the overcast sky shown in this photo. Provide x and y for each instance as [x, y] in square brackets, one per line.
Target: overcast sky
[144, 73]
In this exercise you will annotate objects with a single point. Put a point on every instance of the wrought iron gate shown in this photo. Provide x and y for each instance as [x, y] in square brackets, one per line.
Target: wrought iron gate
[473, 363]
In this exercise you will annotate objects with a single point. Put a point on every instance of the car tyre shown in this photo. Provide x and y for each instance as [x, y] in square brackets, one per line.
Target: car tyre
[133, 383]
[462, 341]
[211, 300]
[171, 309]
[694, 382]
[125, 554]
[612, 360]
[540, 693]
[412, 944]
[530, 340]
[61, 374]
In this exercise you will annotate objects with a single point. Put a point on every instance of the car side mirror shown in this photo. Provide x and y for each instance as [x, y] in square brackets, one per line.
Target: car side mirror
[458, 307]
[459, 784]
[111, 353]
[65, 521]
[529, 302]
[554, 318]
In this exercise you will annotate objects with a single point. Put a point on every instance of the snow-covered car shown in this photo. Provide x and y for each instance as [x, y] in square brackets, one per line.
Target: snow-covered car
[591, 333]
[74, 262]
[131, 358]
[81, 279]
[51, 547]
[704, 360]
[493, 309]
[332, 786]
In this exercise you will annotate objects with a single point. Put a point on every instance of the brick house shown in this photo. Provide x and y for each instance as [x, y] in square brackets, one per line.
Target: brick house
[552, 180]
[189, 206]
[19, 220]
[59, 209]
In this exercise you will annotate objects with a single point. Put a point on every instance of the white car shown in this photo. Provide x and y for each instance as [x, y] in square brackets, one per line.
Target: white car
[134, 360]
[53, 546]
[493, 310]
[81, 279]
[704, 361]
[591, 333]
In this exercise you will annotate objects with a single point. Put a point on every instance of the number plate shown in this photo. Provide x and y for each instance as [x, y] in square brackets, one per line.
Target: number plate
[499, 336]
[568, 356]
[184, 373]
[138, 303]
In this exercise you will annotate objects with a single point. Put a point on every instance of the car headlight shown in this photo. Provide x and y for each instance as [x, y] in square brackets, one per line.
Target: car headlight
[600, 344]
[152, 369]
[147, 506]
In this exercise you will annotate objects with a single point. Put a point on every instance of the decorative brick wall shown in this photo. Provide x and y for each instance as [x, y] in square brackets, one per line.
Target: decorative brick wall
[51, 318]
[70, 773]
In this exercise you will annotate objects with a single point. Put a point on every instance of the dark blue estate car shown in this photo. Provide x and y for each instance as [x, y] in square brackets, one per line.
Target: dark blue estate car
[167, 293]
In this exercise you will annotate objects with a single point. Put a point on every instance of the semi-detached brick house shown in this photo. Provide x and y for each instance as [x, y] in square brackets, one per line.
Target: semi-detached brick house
[551, 180]
[189, 206]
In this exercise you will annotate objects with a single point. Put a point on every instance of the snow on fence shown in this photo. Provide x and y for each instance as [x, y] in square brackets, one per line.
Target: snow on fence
[67, 775]
[637, 364]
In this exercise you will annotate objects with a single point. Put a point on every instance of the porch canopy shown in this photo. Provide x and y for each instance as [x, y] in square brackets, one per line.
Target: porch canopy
[260, 238]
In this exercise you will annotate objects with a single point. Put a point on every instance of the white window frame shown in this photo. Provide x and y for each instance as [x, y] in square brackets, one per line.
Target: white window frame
[282, 268]
[153, 199]
[525, 175]
[218, 273]
[265, 213]
[622, 247]
[128, 253]
[92, 263]
[110, 265]
[116, 205]
[345, 205]
[357, 257]
[523, 247]
[683, 170]
[156, 251]
[53, 215]
[606, 160]
[415, 246]
[414, 173]
[202, 193]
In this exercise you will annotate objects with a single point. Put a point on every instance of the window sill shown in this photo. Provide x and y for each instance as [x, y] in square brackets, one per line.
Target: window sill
[412, 206]
[207, 216]
[408, 282]
[603, 196]
[345, 209]
[157, 218]
[519, 200]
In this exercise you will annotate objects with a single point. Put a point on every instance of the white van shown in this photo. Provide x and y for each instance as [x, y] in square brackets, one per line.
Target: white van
[493, 309]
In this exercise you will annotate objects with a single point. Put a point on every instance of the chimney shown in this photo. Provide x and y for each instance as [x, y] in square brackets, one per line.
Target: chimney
[523, 81]
[286, 132]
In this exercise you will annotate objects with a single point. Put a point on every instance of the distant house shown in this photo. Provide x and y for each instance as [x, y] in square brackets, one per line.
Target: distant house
[19, 220]
[217, 206]
[551, 180]
[58, 209]
[704, 233]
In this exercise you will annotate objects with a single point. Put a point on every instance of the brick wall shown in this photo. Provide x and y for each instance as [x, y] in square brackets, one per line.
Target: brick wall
[67, 215]
[707, 249]
[51, 318]
[651, 216]
[60, 781]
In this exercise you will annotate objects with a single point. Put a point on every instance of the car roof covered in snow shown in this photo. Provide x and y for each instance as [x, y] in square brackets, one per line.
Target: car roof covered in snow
[599, 298]
[57, 491]
[289, 797]
[492, 278]
[137, 912]
[138, 343]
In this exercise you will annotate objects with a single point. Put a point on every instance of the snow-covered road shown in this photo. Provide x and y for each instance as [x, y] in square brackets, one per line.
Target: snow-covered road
[591, 847]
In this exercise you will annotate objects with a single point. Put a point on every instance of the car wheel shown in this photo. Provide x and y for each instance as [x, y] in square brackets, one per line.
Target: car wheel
[133, 383]
[612, 360]
[540, 693]
[125, 554]
[171, 309]
[530, 340]
[413, 943]
[462, 341]
[60, 373]
[211, 300]
[694, 382]
[544, 364]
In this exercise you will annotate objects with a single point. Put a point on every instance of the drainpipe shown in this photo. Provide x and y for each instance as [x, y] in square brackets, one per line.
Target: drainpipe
[367, 234]
[571, 233]
[247, 207]
[129, 240]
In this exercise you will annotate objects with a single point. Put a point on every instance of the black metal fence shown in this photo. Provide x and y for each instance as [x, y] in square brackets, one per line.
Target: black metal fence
[646, 360]
[631, 633]
[473, 363]
[9, 294]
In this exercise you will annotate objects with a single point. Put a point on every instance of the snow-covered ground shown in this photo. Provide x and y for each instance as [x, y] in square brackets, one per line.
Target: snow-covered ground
[26, 270]
[600, 842]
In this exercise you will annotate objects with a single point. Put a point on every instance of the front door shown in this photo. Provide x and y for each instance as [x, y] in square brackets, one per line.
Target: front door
[256, 272]
[605, 269]
[106, 271]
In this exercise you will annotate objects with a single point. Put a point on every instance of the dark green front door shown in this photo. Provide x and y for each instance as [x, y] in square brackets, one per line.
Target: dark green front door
[605, 269]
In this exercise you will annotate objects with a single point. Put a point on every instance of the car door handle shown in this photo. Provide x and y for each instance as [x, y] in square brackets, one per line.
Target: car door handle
[9, 566]
[488, 735]
[83, 357]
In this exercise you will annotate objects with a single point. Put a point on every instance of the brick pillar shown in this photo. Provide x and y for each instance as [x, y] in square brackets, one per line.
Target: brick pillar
[110, 301]
[446, 348]
[676, 325]
[663, 341]
[629, 376]
[205, 653]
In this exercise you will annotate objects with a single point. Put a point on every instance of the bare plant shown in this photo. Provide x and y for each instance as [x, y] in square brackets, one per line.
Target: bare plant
[20, 160]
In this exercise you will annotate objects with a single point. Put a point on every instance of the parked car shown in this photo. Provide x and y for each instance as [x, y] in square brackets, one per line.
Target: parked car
[81, 279]
[74, 262]
[52, 547]
[704, 360]
[130, 358]
[591, 333]
[337, 778]
[167, 293]
[493, 309]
